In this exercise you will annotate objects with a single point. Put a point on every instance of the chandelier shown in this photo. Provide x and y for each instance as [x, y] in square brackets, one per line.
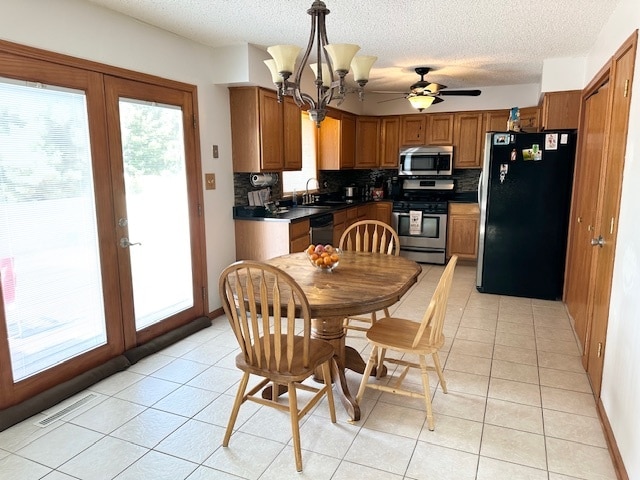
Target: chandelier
[333, 60]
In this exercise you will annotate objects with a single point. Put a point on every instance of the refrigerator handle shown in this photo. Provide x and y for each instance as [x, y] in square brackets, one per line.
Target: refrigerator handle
[480, 188]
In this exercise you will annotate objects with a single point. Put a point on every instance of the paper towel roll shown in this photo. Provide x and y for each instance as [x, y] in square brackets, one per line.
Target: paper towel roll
[263, 179]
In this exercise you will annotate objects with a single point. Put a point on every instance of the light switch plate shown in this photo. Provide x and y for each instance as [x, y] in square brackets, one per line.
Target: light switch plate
[210, 181]
[215, 151]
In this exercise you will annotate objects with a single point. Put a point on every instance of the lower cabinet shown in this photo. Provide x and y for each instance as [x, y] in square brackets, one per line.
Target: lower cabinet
[261, 240]
[463, 226]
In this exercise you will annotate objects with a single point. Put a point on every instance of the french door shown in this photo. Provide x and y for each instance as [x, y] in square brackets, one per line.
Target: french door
[100, 232]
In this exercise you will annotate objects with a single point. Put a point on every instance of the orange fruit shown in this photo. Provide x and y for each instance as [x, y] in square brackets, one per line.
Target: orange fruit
[328, 261]
[335, 257]
[314, 256]
[311, 249]
[319, 261]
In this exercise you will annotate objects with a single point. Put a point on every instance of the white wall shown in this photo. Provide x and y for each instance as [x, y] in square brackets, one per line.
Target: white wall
[83, 30]
[559, 74]
[621, 379]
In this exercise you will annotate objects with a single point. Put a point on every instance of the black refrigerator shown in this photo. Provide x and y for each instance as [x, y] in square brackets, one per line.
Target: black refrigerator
[524, 194]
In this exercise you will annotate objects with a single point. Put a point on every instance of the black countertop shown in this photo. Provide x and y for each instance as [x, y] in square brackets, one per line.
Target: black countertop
[289, 214]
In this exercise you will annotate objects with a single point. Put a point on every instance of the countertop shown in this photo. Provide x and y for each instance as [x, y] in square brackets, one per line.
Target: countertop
[291, 214]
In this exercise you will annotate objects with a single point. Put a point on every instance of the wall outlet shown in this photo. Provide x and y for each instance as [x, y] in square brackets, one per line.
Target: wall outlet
[210, 181]
[215, 151]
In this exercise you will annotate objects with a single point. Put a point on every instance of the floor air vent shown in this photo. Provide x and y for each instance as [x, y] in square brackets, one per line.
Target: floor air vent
[49, 419]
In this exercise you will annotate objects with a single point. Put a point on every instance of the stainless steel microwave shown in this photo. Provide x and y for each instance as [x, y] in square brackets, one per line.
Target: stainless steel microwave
[426, 161]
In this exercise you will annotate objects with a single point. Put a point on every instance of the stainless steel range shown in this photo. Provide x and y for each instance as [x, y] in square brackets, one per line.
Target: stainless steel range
[420, 219]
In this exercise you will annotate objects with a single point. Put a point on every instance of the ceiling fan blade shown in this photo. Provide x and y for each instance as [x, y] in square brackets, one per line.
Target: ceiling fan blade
[392, 99]
[466, 93]
[437, 100]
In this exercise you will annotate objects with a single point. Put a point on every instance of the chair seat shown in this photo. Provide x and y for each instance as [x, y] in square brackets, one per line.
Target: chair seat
[319, 352]
[399, 334]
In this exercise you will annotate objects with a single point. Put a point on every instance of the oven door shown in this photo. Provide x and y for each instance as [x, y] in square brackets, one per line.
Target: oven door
[433, 234]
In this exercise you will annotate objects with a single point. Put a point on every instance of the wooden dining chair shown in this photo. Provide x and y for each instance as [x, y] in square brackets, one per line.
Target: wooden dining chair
[413, 338]
[369, 236]
[262, 303]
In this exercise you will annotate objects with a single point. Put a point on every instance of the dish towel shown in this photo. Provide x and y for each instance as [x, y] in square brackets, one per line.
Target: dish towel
[415, 222]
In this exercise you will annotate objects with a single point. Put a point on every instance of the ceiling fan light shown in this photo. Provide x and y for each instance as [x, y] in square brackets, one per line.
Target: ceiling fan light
[421, 102]
[285, 57]
[326, 73]
[341, 55]
[361, 66]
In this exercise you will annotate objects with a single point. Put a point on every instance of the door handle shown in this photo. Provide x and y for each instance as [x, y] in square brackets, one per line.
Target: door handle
[125, 243]
[599, 242]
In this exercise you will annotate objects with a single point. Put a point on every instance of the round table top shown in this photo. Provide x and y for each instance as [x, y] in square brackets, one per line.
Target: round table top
[362, 282]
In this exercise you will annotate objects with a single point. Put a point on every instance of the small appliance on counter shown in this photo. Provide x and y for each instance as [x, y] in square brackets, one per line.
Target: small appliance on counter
[351, 193]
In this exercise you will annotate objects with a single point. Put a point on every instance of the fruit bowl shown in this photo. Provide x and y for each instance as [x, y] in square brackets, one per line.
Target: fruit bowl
[324, 257]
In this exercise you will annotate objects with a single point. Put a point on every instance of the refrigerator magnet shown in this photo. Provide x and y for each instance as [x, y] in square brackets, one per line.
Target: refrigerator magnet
[564, 138]
[527, 154]
[551, 141]
[501, 139]
[537, 153]
[514, 154]
[504, 169]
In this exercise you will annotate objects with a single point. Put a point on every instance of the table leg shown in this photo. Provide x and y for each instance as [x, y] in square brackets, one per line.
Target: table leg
[355, 362]
[331, 330]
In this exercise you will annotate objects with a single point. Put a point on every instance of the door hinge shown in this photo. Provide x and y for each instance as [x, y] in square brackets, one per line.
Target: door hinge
[613, 221]
[599, 349]
[204, 293]
[199, 210]
[195, 123]
[626, 88]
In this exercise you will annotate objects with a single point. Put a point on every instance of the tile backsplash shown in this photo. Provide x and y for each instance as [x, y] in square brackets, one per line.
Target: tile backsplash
[333, 181]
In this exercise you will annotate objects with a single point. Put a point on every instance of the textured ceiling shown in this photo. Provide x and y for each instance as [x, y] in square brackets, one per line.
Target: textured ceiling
[468, 43]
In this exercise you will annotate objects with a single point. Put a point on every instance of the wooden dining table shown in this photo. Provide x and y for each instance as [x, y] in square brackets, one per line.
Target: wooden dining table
[362, 283]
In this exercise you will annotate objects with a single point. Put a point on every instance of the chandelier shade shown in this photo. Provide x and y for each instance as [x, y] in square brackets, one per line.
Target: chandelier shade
[333, 62]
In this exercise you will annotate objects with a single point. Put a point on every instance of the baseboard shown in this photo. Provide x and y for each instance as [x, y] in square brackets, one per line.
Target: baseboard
[216, 313]
[618, 464]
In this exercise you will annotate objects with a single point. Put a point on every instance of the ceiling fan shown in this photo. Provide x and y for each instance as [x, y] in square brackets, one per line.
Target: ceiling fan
[423, 93]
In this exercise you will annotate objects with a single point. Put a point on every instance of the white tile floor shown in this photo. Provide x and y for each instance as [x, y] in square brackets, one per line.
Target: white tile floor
[519, 407]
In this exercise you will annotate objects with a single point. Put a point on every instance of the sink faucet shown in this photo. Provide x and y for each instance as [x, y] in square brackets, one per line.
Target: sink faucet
[307, 196]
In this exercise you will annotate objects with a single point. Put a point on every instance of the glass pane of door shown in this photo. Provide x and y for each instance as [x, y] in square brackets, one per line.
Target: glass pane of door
[49, 257]
[157, 209]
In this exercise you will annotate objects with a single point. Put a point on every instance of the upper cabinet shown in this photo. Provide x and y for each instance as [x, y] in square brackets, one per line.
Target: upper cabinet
[292, 134]
[389, 142]
[337, 141]
[439, 129]
[367, 142]
[561, 110]
[496, 120]
[412, 130]
[265, 135]
[431, 129]
[530, 119]
[467, 140]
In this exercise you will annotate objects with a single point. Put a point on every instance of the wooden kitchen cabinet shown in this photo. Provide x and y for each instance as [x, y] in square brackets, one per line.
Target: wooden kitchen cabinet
[292, 135]
[463, 226]
[496, 120]
[439, 129]
[381, 211]
[413, 129]
[468, 140]
[367, 142]
[337, 141]
[339, 225]
[299, 236]
[261, 240]
[265, 135]
[431, 129]
[389, 142]
[561, 110]
[530, 119]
